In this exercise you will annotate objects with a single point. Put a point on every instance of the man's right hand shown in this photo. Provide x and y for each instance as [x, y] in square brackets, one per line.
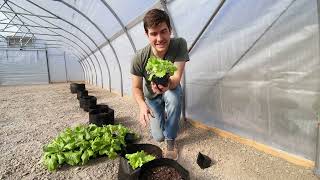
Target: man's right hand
[145, 111]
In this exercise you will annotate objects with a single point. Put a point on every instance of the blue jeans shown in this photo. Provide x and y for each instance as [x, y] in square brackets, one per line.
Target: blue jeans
[165, 127]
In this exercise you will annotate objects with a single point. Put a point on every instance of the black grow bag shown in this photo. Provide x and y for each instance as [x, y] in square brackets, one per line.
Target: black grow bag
[125, 170]
[80, 94]
[75, 87]
[130, 138]
[102, 108]
[146, 169]
[101, 117]
[87, 102]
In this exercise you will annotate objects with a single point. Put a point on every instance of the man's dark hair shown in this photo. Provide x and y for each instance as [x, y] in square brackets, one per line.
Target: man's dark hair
[154, 17]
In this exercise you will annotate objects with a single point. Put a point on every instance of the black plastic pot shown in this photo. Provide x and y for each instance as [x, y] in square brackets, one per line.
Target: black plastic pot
[130, 138]
[81, 94]
[87, 102]
[203, 161]
[75, 87]
[101, 117]
[102, 108]
[146, 170]
[163, 81]
[125, 170]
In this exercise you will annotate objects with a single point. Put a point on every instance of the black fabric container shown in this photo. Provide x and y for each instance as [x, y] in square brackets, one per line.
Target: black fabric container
[87, 102]
[125, 170]
[147, 168]
[75, 87]
[81, 94]
[101, 116]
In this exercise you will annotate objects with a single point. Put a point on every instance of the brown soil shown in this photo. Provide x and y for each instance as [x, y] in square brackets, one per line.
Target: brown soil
[30, 116]
[162, 173]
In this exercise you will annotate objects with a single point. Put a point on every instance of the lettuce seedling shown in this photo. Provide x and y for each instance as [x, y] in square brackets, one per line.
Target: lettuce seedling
[77, 145]
[159, 68]
[138, 159]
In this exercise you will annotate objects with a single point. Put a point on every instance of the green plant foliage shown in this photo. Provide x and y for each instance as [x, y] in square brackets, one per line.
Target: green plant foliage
[138, 159]
[159, 67]
[76, 146]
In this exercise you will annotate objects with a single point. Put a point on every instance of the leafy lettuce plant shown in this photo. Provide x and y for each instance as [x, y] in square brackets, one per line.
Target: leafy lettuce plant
[77, 145]
[159, 67]
[138, 159]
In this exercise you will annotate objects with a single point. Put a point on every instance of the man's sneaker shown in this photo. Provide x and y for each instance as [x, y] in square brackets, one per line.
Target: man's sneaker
[171, 150]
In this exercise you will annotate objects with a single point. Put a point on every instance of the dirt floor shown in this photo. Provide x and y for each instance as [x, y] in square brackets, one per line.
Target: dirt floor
[30, 116]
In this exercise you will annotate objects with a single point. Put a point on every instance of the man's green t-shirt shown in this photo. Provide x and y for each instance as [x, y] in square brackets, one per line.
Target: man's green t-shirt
[177, 51]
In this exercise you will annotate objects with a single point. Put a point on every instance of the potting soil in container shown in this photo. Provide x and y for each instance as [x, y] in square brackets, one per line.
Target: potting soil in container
[161, 173]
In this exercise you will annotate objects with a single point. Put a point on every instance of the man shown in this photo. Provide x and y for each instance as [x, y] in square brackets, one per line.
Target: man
[159, 105]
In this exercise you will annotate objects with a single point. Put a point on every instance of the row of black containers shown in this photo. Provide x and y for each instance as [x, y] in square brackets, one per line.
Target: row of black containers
[99, 114]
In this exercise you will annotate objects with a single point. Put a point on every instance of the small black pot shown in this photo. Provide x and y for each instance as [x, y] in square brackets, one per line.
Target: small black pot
[102, 108]
[81, 94]
[130, 138]
[87, 102]
[75, 87]
[203, 161]
[163, 81]
[100, 118]
[125, 170]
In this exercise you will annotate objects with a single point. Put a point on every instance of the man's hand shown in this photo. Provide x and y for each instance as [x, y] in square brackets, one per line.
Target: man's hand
[145, 111]
[159, 89]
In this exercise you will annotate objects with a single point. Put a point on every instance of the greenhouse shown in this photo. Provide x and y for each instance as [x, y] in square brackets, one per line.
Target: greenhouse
[73, 98]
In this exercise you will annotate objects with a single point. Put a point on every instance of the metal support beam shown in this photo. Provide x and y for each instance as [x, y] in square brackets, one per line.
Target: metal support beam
[65, 65]
[121, 24]
[29, 39]
[66, 31]
[61, 35]
[129, 26]
[2, 4]
[85, 69]
[175, 34]
[49, 79]
[84, 73]
[15, 14]
[16, 32]
[80, 31]
[40, 34]
[83, 15]
[26, 14]
[316, 169]
[15, 24]
[8, 23]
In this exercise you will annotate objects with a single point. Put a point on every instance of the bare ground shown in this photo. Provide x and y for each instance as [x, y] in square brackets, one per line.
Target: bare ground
[30, 116]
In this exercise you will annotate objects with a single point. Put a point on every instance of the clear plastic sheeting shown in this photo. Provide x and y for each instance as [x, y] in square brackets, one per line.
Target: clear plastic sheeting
[114, 69]
[63, 67]
[125, 54]
[23, 67]
[188, 25]
[129, 10]
[138, 35]
[268, 95]
[72, 64]
[99, 14]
